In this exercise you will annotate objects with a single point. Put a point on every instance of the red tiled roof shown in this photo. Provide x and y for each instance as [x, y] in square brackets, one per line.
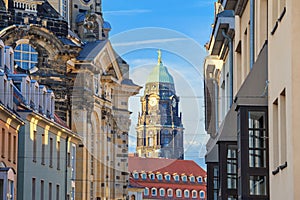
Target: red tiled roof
[163, 165]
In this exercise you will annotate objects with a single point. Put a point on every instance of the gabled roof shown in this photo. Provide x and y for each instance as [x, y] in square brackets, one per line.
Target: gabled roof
[91, 49]
[162, 165]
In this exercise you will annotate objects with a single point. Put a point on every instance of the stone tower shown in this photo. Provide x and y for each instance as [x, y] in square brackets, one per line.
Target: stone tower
[159, 128]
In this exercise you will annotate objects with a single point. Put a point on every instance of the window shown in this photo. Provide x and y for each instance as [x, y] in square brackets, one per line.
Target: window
[92, 165]
[232, 167]
[192, 179]
[153, 191]
[9, 146]
[25, 56]
[73, 161]
[57, 192]
[33, 188]
[199, 179]
[150, 141]
[42, 189]
[257, 139]
[186, 193]
[146, 191]
[194, 194]
[168, 177]
[3, 143]
[178, 193]
[135, 175]
[159, 177]
[282, 121]
[152, 176]
[58, 155]
[202, 194]
[184, 178]
[15, 149]
[34, 146]
[43, 149]
[170, 192]
[50, 191]
[51, 153]
[176, 177]
[162, 192]
[144, 176]
[258, 185]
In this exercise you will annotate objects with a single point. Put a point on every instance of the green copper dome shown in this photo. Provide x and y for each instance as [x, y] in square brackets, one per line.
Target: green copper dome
[160, 73]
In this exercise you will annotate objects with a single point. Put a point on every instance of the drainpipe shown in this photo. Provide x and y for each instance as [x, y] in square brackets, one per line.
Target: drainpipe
[252, 9]
[66, 168]
[230, 45]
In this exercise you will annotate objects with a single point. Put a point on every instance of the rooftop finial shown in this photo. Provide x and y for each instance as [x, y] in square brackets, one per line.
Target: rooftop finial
[159, 56]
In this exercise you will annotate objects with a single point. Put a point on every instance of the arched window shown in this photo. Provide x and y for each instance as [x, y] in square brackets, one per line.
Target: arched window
[26, 56]
[162, 192]
[178, 193]
[184, 178]
[176, 177]
[159, 177]
[146, 191]
[192, 179]
[152, 176]
[153, 191]
[186, 193]
[194, 194]
[144, 176]
[168, 177]
[135, 175]
[199, 179]
[202, 194]
[170, 192]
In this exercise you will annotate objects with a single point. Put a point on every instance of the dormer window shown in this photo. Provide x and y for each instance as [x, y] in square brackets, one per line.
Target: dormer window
[194, 194]
[144, 176]
[202, 194]
[178, 193]
[153, 191]
[168, 177]
[170, 192]
[199, 179]
[184, 178]
[135, 175]
[152, 176]
[176, 177]
[159, 177]
[192, 179]
[146, 191]
[186, 193]
[162, 192]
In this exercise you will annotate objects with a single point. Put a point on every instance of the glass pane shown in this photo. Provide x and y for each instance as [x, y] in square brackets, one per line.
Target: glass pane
[257, 139]
[258, 185]
[17, 55]
[256, 119]
[34, 57]
[25, 56]
[231, 181]
[24, 65]
[257, 158]
[25, 47]
[18, 47]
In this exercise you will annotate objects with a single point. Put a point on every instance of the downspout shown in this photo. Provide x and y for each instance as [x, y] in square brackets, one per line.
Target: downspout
[230, 45]
[252, 9]
[66, 168]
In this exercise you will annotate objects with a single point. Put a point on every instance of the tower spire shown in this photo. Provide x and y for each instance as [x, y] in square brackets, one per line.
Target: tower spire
[159, 56]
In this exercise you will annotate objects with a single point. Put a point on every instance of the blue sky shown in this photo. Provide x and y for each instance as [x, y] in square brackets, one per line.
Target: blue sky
[180, 29]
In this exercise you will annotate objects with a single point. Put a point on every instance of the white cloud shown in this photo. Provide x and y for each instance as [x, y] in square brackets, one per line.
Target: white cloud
[143, 42]
[126, 12]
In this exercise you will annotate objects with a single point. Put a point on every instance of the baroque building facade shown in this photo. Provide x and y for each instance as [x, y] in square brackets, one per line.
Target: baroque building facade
[160, 129]
[64, 45]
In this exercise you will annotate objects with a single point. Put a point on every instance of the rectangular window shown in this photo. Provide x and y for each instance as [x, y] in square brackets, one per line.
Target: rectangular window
[57, 192]
[258, 185]
[9, 146]
[69, 159]
[3, 143]
[15, 149]
[282, 119]
[257, 139]
[92, 165]
[34, 146]
[51, 152]
[42, 189]
[73, 161]
[275, 135]
[33, 189]
[43, 149]
[215, 182]
[232, 167]
[50, 191]
[58, 155]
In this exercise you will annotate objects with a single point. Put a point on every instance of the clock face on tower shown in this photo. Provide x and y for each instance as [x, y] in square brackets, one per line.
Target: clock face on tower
[152, 101]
